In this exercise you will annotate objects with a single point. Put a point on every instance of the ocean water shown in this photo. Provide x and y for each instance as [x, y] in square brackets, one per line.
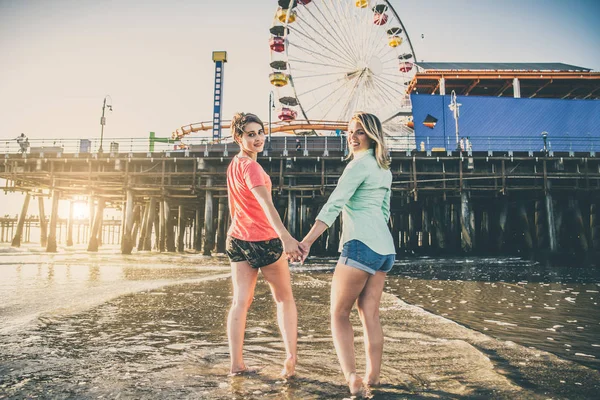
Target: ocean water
[80, 325]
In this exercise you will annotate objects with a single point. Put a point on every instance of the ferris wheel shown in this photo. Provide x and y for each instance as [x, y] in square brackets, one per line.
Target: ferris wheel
[330, 58]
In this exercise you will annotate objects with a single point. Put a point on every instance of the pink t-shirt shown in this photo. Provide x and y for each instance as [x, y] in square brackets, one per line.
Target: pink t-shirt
[248, 220]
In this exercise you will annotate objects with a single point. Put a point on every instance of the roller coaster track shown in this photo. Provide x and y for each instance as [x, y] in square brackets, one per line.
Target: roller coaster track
[297, 127]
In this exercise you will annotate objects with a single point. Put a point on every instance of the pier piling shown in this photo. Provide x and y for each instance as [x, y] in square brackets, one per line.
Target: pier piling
[51, 245]
[95, 232]
[209, 232]
[467, 223]
[181, 229]
[16, 242]
[128, 240]
[221, 224]
[43, 223]
[70, 225]
[504, 203]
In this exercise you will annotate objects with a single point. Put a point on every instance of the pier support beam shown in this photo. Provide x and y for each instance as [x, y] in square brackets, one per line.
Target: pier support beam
[467, 223]
[580, 237]
[502, 219]
[395, 221]
[143, 227]
[453, 224]
[198, 230]
[425, 226]
[483, 243]
[525, 235]
[94, 243]
[552, 226]
[150, 224]
[181, 229]
[541, 236]
[438, 227]
[222, 225]
[162, 225]
[70, 225]
[92, 211]
[127, 239]
[137, 219]
[594, 227]
[412, 234]
[332, 238]
[51, 245]
[292, 215]
[43, 225]
[209, 231]
[16, 242]
[170, 228]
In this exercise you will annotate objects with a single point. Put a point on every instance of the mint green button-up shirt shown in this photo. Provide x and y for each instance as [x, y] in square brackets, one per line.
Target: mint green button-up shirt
[363, 196]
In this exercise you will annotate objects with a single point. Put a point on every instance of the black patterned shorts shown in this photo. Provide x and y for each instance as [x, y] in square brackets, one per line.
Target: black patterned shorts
[258, 254]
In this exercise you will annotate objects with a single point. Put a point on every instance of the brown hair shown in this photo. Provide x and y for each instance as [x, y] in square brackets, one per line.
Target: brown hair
[374, 131]
[239, 121]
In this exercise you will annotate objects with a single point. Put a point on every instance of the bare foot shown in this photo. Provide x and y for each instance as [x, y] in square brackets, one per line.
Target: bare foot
[244, 371]
[373, 382]
[355, 384]
[289, 367]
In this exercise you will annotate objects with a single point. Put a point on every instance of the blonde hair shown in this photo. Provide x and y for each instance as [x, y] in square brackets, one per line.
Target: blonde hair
[374, 131]
[240, 120]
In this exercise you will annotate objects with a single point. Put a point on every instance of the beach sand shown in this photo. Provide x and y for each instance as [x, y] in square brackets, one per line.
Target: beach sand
[170, 342]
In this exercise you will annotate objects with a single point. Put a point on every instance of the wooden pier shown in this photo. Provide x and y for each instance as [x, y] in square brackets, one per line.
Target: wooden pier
[445, 202]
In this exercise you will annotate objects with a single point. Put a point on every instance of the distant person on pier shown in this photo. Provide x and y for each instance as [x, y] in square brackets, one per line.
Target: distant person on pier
[362, 195]
[257, 240]
[23, 143]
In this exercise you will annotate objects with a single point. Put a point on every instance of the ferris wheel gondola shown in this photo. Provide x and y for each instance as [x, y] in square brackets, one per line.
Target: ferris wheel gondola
[335, 57]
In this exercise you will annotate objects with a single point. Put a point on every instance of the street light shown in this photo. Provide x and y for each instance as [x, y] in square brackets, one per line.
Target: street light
[454, 106]
[271, 107]
[103, 120]
[545, 139]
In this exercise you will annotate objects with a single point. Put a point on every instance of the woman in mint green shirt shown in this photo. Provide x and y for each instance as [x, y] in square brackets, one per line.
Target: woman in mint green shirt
[362, 195]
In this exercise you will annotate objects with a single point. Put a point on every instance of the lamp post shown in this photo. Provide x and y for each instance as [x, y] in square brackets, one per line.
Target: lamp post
[271, 107]
[454, 107]
[545, 139]
[103, 121]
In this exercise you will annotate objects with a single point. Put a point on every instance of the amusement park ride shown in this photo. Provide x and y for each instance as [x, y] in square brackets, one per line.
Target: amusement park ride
[328, 60]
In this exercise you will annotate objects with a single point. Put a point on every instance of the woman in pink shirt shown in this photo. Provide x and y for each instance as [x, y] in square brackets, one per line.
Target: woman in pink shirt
[257, 240]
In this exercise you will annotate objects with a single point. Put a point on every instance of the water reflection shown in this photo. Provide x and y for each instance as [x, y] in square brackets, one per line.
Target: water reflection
[551, 308]
[156, 329]
[32, 283]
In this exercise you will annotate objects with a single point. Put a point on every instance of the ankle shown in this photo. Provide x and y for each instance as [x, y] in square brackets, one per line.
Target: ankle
[372, 379]
[355, 384]
[349, 375]
[237, 367]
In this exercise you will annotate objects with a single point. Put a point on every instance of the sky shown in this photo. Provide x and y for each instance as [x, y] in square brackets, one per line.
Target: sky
[60, 58]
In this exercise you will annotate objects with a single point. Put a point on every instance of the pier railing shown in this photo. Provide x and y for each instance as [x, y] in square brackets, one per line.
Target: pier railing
[301, 144]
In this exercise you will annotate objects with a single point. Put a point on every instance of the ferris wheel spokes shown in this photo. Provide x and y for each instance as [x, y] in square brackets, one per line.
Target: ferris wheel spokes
[315, 40]
[315, 53]
[339, 56]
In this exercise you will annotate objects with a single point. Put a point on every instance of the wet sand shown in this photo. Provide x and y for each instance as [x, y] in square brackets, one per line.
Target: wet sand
[169, 342]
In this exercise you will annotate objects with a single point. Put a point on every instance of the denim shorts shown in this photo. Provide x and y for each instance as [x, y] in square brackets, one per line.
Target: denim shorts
[356, 254]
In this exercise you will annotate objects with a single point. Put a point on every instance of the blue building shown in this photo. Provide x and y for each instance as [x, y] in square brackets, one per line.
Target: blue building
[506, 106]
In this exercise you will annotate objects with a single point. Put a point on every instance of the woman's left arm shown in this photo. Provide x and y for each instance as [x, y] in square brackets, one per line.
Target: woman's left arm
[352, 177]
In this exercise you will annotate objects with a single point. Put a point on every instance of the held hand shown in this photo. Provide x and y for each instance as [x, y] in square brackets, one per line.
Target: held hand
[290, 247]
[305, 248]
